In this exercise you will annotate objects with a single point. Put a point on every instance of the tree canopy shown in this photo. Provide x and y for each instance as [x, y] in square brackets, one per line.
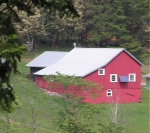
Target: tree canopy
[9, 11]
[11, 49]
[102, 23]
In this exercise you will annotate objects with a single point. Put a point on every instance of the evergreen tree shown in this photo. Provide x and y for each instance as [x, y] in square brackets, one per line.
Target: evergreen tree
[120, 23]
[11, 49]
[10, 53]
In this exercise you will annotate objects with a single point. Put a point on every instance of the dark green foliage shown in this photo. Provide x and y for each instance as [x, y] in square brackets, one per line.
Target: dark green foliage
[103, 23]
[9, 55]
[119, 23]
[135, 48]
[111, 128]
[71, 118]
[9, 11]
[11, 50]
[123, 19]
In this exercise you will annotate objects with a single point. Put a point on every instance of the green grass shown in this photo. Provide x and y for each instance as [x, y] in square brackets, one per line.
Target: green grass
[141, 114]
[31, 97]
[136, 115]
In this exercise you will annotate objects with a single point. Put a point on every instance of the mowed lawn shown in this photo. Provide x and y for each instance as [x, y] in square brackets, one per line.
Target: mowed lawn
[46, 109]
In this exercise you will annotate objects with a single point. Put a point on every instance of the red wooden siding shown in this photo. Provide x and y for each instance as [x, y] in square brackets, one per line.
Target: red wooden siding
[122, 65]
[128, 92]
[123, 96]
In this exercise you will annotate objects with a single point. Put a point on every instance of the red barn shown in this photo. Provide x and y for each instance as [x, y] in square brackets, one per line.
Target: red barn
[115, 69]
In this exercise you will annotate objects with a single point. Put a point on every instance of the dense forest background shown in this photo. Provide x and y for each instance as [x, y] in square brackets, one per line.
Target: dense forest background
[102, 23]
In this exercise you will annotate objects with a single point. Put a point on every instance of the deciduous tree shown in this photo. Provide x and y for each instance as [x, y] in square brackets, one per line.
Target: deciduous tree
[72, 121]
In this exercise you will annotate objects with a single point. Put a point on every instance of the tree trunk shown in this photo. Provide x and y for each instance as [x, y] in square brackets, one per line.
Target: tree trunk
[34, 119]
[8, 123]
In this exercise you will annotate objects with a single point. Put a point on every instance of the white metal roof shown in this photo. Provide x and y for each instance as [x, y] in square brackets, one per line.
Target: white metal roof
[82, 61]
[47, 58]
[147, 75]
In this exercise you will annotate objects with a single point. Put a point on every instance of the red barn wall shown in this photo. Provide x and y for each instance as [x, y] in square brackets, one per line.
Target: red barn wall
[53, 87]
[122, 65]
[128, 92]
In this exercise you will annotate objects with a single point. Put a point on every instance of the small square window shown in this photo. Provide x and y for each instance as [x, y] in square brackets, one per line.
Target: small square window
[109, 92]
[113, 78]
[101, 72]
[132, 77]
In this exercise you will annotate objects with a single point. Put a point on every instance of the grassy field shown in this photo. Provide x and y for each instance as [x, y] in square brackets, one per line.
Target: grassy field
[34, 103]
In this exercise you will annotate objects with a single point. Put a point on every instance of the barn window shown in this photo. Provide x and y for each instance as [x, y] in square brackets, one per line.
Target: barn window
[132, 77]
[109, 92]
[113, 78]
[101, 72]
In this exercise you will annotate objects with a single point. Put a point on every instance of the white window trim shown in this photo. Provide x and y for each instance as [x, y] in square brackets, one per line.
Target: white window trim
[116, 79]
[134, 75]
[109, 91]
[101, 70]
